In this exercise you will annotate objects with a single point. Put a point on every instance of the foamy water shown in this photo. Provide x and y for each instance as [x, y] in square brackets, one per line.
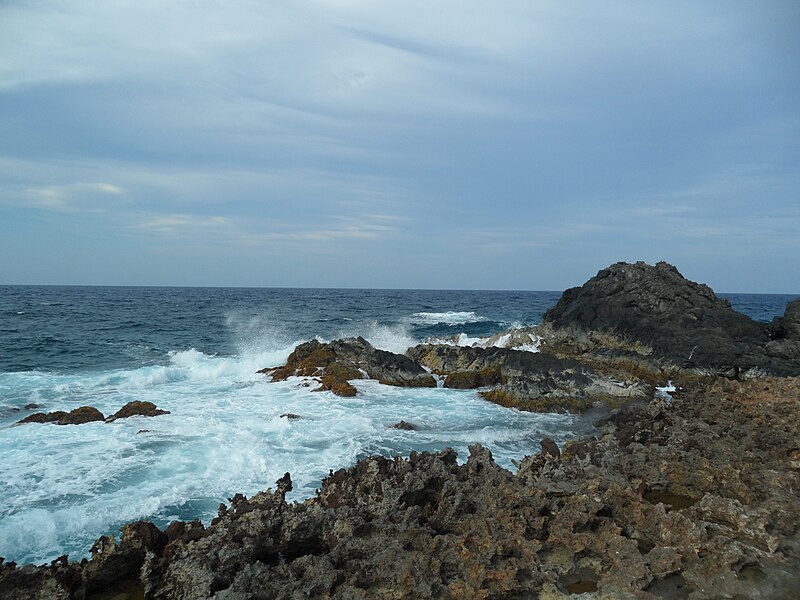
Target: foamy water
[63, 486]
[195, 352]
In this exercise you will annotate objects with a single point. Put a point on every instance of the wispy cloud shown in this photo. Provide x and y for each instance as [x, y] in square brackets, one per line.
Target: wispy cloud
[238, 233]
[66, 197]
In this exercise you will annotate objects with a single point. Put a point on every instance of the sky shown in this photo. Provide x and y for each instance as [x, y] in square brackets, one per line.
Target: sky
[414, 144]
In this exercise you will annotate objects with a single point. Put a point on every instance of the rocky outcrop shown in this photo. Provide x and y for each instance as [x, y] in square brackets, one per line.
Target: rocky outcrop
[785, 333]
[787, 327]
[137, 408]
[339, 361]
[527, 380]
[695, 498]
[655, 311]
[78, 416]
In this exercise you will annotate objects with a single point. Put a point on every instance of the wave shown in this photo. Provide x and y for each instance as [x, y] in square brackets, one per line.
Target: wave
[447, 318]
[516, 339]
[395, 337]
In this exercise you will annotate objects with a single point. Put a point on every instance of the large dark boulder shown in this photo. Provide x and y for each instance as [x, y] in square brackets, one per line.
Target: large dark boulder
[670, 317]
[787, 327]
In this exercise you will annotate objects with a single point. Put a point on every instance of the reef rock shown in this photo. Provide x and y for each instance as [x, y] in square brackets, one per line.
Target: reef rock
[339, 361]
[655, 311]
[527, 380]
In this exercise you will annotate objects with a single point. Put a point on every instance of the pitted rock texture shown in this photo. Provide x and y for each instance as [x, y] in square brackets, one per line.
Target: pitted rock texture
[678, 320]
[340, 361]
[698, 498]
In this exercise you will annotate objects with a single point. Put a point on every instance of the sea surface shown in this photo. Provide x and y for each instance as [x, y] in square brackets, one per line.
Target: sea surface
[195, 352]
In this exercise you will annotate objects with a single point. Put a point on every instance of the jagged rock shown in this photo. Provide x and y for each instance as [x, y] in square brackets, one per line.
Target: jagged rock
[290, 416]
[339, 361]
[655, 310]
[78, 416]
[137, 408]
[405, 426]
[527, 380]
[788, 326]
[699, 498]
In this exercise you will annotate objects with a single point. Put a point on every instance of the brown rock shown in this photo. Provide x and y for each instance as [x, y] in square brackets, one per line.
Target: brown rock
[137, 408]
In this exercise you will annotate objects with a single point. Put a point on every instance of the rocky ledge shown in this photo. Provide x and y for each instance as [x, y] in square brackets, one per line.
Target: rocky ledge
[530, 381]
[694, 498]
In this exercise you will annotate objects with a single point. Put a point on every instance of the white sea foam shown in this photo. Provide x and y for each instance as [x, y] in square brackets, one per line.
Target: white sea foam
[395, 338]
[512, 339]
[665, 392]
[63, 486]
[447, 318]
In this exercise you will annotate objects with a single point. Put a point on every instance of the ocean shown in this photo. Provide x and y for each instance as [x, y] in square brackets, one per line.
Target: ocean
[195, 352]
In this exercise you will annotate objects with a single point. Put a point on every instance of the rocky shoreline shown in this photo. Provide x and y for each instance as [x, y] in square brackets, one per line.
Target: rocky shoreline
[689, 495]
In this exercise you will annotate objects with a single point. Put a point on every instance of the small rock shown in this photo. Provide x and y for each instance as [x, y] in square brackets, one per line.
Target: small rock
[550, 448]
[405, 426]
[290, 416]
[137, 408]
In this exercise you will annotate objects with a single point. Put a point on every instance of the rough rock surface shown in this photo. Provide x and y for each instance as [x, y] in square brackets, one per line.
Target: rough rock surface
[339, 361]
[78, 416]
[696, 499]
[137, 408]
[527, 380]
[659, 311]
[88, 414]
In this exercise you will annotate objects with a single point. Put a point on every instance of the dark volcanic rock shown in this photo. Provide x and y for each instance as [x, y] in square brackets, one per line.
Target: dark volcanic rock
[699, 499]
[339, 361]
[675, 319]
[78, 416]
[405, 426]
[527, 380]
[137, 408]
[787, 327]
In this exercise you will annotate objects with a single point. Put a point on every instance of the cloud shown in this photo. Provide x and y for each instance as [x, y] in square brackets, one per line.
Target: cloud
[65, 197]
[237, 233]
[183, 225]
[446, 128]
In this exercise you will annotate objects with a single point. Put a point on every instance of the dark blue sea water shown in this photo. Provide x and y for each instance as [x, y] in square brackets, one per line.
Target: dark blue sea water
[195, 351]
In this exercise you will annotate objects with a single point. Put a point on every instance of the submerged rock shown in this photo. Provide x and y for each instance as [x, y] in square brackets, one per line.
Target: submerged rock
[339, 361]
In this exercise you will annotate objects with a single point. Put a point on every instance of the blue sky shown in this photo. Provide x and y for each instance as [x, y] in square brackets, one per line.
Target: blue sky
[503, 145]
